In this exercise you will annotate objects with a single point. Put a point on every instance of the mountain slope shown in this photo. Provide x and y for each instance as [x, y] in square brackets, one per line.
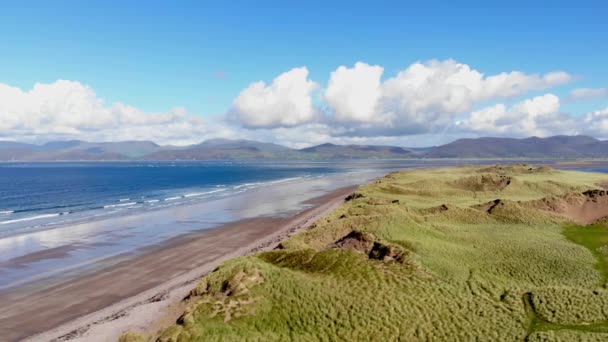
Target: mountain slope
[551, 147]
[14, 145]
[203, 153]
[224, 149]
[331, 151]
[227, 144]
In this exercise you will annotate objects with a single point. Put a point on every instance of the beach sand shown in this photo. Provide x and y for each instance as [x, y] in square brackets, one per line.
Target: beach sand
[137, 292]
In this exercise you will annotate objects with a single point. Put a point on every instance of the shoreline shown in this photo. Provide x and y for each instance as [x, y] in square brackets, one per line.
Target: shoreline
[179, 262]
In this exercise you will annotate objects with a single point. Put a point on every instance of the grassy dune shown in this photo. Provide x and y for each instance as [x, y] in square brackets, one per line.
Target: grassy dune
[449, 254]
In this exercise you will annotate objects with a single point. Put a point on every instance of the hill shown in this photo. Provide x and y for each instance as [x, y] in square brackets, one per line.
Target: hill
[551, 147]
[225, 149]
[331, 151]
[499, 253]
[227, 144]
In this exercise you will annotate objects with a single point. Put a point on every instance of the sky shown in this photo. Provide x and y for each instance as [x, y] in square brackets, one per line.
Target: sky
[302, 73]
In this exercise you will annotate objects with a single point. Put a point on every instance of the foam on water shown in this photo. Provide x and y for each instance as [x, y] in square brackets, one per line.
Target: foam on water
[196, 194]
[119, 205]
[32, 218]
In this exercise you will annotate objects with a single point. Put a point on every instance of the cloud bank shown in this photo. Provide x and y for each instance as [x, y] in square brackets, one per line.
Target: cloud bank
[589, 93]
[435, 100]
[538, 116]
[69, 109]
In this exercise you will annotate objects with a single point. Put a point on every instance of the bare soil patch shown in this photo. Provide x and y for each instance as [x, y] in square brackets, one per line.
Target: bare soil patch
[584, 208]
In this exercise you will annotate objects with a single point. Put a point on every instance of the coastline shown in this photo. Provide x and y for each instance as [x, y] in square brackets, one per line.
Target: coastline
[105, 304]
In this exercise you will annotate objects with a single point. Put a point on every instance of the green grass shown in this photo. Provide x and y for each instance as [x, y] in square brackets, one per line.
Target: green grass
[595, 238]
[461, 273]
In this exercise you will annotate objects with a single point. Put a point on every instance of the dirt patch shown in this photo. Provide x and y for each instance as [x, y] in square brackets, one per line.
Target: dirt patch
[516, 169]
[381, 201]
[368, 244]
[584, 208]
[358, 241]
[605, 185]
[483, 182]
[490, 206]
[436, 210]
[353, 196]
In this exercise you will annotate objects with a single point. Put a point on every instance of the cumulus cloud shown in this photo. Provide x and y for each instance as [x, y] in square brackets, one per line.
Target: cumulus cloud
[422, 98]
[353, 93]
[359, 104]
[589, 93]
[596, 123]
[286, 102]
[69, 109]
[539, 116]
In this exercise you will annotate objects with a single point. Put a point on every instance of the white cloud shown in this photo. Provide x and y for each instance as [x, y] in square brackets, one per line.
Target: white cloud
[539, 116]
[589, 93]
[286, 102]
[596, 123]
[425, 97]
[69, 109]
[354, 93]
[416, 106]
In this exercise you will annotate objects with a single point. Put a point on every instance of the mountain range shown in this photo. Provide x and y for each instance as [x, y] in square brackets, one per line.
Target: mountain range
[225, 149]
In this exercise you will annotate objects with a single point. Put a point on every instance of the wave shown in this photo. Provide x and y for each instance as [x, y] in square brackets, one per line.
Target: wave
[6, 212]
[284, 180]
[119, 205]
[123, 199]
[43, 208]
[203, 193]
[247, 185]
[173, 198]
[31, 218]
[257, 184]
[152, 201]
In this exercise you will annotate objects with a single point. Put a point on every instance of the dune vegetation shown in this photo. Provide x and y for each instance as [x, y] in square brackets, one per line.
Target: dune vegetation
[468, 253]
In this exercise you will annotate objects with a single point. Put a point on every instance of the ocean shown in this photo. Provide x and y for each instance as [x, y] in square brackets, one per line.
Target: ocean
[37, 196]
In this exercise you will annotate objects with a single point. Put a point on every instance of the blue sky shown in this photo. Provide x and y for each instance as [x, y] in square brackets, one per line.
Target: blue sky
[200, 55]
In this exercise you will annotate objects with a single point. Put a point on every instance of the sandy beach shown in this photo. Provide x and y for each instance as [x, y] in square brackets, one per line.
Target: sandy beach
[131, 293]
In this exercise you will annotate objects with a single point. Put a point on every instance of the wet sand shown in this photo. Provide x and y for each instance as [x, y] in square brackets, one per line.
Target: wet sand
[129, 293]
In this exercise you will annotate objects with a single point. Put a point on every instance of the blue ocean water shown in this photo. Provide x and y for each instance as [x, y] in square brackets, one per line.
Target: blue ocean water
[35, 195]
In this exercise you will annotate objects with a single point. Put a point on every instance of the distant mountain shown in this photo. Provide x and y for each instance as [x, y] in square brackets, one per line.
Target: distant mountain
[331, 151]
[130, 149]
[14, 144]
[206, 153]
[76, 150]
[224, 149]
[534, 147]
[226, 144]
[60, 145]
